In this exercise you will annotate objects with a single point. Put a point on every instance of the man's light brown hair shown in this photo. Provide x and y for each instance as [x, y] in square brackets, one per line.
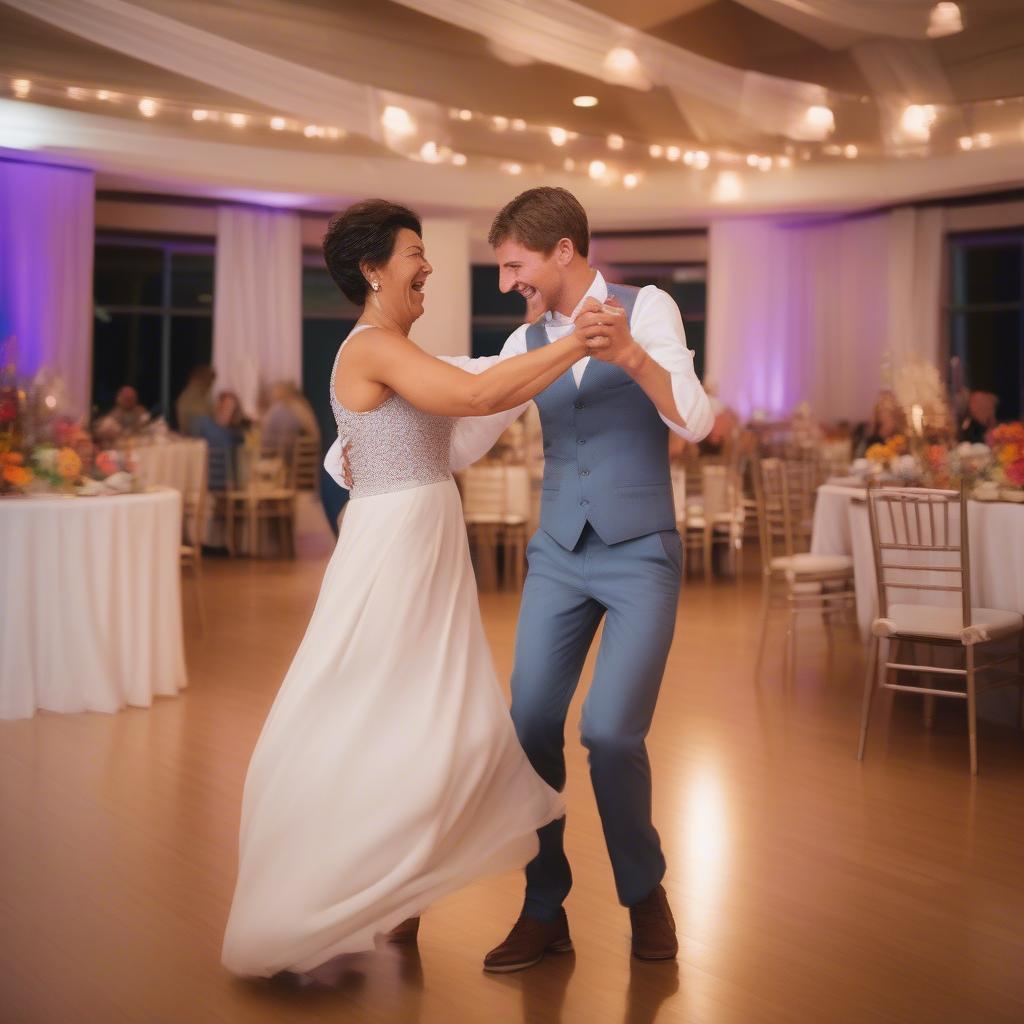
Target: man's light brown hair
[539, 218]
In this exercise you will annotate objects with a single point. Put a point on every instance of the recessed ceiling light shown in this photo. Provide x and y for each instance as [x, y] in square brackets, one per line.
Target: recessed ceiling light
[584, 101]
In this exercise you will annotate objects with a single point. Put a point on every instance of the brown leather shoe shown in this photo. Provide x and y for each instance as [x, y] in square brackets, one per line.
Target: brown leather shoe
[654, 929]
[528, 942]
[405, 934]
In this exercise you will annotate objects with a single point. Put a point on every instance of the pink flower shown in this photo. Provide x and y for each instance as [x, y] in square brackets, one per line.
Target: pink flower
[1015, 473]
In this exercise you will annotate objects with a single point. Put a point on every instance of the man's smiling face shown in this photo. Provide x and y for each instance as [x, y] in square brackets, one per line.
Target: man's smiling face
[536, 276]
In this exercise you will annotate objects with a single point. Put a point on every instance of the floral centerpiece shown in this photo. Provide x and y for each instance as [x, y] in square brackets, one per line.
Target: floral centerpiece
[1007, 470]
[42, 448]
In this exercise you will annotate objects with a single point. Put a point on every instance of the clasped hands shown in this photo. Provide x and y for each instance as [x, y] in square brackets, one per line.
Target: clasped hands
[604, 329]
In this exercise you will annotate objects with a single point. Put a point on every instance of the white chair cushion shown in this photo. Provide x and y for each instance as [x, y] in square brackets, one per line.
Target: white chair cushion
[806, 564]
[947, 623]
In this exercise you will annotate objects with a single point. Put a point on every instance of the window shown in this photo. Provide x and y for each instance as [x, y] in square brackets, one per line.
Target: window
[153, 318]
[688, 284]
[986, 316]
[495, 316]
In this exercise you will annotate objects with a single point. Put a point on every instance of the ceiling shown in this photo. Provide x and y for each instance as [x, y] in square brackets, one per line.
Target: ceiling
[769, 52]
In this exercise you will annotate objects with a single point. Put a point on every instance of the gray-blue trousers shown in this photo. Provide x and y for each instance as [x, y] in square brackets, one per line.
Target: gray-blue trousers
[635, 586]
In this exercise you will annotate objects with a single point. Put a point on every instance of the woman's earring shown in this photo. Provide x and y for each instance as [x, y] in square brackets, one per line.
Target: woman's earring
[375, 285]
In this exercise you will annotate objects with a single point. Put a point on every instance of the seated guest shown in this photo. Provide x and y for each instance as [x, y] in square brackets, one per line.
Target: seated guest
[980, 418]
[127, 417]
[196, 400]
[224, 429]
[288, 417]
[887, 420]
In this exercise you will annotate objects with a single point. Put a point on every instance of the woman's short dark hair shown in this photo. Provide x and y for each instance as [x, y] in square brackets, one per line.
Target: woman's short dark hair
[540, 218]
[364, 233]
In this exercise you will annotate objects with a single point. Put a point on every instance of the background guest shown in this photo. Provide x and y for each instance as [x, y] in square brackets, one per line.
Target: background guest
[128, 417]
[225, 428]
[887, 420]
[288, 417]
[195, 401]
[980, 418]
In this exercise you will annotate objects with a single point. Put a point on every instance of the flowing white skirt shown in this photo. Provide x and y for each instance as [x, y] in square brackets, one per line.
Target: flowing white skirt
[388, 771]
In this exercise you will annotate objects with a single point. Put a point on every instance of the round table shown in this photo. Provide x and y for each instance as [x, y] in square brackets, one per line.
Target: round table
[179, 463]
[90, 602]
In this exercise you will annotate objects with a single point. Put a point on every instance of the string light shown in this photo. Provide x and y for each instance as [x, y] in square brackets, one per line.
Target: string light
[728, 187]
[850, 151]
[518, 124]
[764, 163]
[656, 150]
[917, 120]
[944, 20]
[622, 62]
[568, 164]
[597, 169]
[500, 123]
[21, 87]
[965, 142]
[820, 120]
[459, 159]
[278, 124]
[397, 121]
[237, 120]
[630, 180]
[200, 115]
[465, 115]
[673, 153]
[701, 160]
[559, 136]
[75, 93]
[616, 142]
[148, 107]
[584, 101]
[512, 168]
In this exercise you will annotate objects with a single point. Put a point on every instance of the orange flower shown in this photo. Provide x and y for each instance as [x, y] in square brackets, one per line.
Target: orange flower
[1009, 453]
[69, 465]
[13, 459]
[17, 476]
[897, 444]
[878, 453]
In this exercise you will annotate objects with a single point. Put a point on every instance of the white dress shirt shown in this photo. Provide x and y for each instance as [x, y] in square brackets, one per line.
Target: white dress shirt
[655, 325]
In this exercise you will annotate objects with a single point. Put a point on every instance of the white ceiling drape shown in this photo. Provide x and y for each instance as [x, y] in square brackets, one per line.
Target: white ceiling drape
[558, 32]
[907, 19]
[255, 74]
[575, 37]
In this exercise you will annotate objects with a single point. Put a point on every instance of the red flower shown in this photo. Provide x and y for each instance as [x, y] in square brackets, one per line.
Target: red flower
[8, 410]
[1015, 473]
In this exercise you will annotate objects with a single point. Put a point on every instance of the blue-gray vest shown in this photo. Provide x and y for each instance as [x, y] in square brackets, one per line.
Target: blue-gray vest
[605, 451]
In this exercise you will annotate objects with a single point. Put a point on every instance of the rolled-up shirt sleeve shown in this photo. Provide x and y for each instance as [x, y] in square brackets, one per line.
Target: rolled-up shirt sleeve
[657, 327]
[475, 436]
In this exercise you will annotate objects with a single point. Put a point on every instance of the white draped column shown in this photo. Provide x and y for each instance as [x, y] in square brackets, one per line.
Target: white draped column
[257, 312]
[444, 328]
[47, 238]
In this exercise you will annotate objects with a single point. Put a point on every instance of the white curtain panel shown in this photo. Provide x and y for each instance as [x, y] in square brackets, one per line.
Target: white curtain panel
[257, 312]
[46, 255]
[820, 312]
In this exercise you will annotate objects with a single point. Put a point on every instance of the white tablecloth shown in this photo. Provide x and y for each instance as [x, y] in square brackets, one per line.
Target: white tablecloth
[178, 463]
[90, 602]
[996, 531]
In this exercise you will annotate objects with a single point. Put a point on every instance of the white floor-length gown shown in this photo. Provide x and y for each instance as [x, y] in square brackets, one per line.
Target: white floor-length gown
[388, 771]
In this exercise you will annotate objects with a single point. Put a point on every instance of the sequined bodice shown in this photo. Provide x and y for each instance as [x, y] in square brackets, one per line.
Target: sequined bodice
[395, 446]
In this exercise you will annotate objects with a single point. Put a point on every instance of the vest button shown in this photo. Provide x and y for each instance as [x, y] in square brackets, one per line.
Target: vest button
[577, 405]
[584, 502]
[581, 440]
[584, 472]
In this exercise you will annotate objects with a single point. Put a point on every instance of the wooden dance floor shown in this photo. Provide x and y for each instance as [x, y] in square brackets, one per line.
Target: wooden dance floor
[807, 888]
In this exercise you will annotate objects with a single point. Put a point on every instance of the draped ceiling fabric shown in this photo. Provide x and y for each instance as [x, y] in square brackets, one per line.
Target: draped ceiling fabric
[257, 313]
[908, 19]
[821, 312]
[576, 37]
[46, 253]
[560, 32]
